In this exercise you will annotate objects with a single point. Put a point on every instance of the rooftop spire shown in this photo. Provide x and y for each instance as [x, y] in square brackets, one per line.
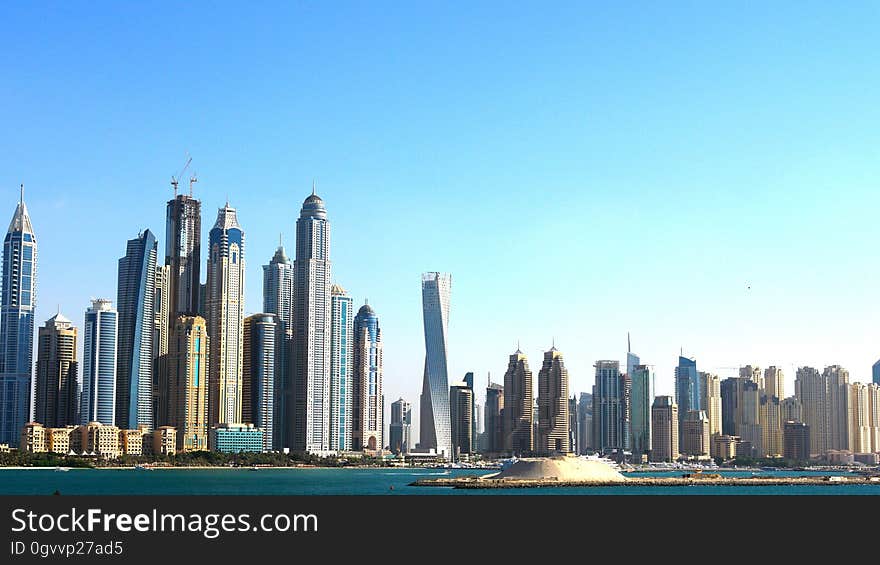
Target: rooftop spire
[313, 186]
[21, 195]
[628, 344]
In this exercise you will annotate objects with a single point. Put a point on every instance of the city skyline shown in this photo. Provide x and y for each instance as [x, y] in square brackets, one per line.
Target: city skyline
[705, 170]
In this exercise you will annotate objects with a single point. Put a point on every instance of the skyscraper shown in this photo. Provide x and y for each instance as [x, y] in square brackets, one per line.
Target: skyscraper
[494, 428]
[860, 429]
[161, 331]
[695, 434]
[771, 425]
[56, 394]
[752, 373]
[435, 431]
[749, 426]
[278, 300]
[19, 297]
[553, 404]
[262, 337]
[461, 419]
[342, 391]
[585, 423]
[632, 360]
[608, 400]
[135, 297]
[518, 416]
[664, 429]
[225, 317]
[183, 236]
[101, 326]
[796, 441]
[687, 388]
[573, 424]
[791, 410]
[811, 389]
[875, 373]
[469, 380]
[774, 382]
[311, 329]
[640, 410]
[729, 400]
[399, 430]
[188, 349]
[367, 381]
[840, 406]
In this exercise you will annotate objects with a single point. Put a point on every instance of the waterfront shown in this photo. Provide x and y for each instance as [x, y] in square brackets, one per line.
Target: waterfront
[365, 481]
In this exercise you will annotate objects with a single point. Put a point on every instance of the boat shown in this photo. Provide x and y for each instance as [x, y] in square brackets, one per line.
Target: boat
[143, 468]
[64, 469]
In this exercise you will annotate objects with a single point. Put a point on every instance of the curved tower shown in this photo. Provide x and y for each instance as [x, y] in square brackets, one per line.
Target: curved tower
[225, 317]
[17, 323]
[435, 430]
[310, 424]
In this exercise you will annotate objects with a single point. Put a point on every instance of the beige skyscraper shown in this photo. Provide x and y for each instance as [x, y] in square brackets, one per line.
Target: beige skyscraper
[749, 427]
[840, 406]
[518, 414]
[664, 429]
[860, 424]
[874, 415]
[161, 325]
[56, 375]
[553, 422]
[774, 382]
[791, 410]
[710, 389]
[811, 389]
[771, 426]
[188, 390]
[695, 438]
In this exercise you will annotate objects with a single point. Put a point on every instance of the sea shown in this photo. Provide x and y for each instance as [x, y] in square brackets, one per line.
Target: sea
[361, 481]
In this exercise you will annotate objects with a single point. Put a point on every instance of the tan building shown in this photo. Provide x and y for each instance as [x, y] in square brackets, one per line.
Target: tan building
[725, 446]
[161, 327]
[58, 440]
[860, 422]
[518, 415]
[791, 410]
[874, 415]
[771, 426]
[753, 374]
[553, 421]
[4, 448]
[749, 429]
[33, 438]
[131, 442]
[164, 440]
[664, 429]
[710, 389]
[695, 438]
[774, 382]
[187, 394]
[100, 440]
[840, 407]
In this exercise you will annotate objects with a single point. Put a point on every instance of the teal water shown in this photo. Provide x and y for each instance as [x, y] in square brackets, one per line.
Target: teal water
[348, 481]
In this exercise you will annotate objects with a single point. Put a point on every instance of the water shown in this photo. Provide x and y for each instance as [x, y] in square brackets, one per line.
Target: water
[298, 481]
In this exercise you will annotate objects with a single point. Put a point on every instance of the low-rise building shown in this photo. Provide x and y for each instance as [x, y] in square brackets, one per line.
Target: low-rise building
[58, 439]
[725, 446]
[100, 440]
[164, 440]
[131, 442]
[236, 438]
[33, 438]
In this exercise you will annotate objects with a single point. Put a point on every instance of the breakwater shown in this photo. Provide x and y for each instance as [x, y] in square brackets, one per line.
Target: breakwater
[471, 482]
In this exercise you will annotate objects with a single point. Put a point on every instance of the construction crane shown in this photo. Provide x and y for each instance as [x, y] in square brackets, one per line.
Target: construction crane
[192, 180]
[174, 179]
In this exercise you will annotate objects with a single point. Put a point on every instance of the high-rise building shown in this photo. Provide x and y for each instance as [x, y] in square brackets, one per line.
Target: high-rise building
[101, 327]
[161, 329]
[461, 418]
[729, 404]
[749, 426]
[642, 378]
[874, 416]
[585, 423]
[796, 441]
[875, 373]
[609, 405]
[553, 404]
[435, 429]
[687, 388]
[840, 406]
[632, 360]
[469, 380]
[188, 354]
[262, 339]
[183, 236]
[399, 429]
[225, 317]
[367, 381]
[860, 425]
[811, 389]
[493, 414]
[572, 424]
[791, 410]
[710, 389]
[754, 374]
[664, 429]
[56, 394]
[278, 300]
[135, 300]
[626, 410]
[774, 382]
[310, 420]
[518, 416]
[695, 434]
[343, 394]
[19, 297]
[770, 417]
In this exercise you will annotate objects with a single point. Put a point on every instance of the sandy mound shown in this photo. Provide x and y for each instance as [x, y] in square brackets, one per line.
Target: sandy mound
[565, 468]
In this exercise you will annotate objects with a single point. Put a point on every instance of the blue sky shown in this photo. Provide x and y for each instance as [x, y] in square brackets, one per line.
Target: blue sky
[582, 170]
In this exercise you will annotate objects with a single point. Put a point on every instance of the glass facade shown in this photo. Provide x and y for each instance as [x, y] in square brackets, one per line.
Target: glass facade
[687, 387]
[237, 438]
[17, 302]
[435, 431]
[278, 300]
[262, 335]
[341, 356]
[366, 383]
[98, 402]
[640, 410]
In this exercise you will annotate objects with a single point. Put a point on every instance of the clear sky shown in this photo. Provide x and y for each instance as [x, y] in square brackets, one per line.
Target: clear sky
[701, 174]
